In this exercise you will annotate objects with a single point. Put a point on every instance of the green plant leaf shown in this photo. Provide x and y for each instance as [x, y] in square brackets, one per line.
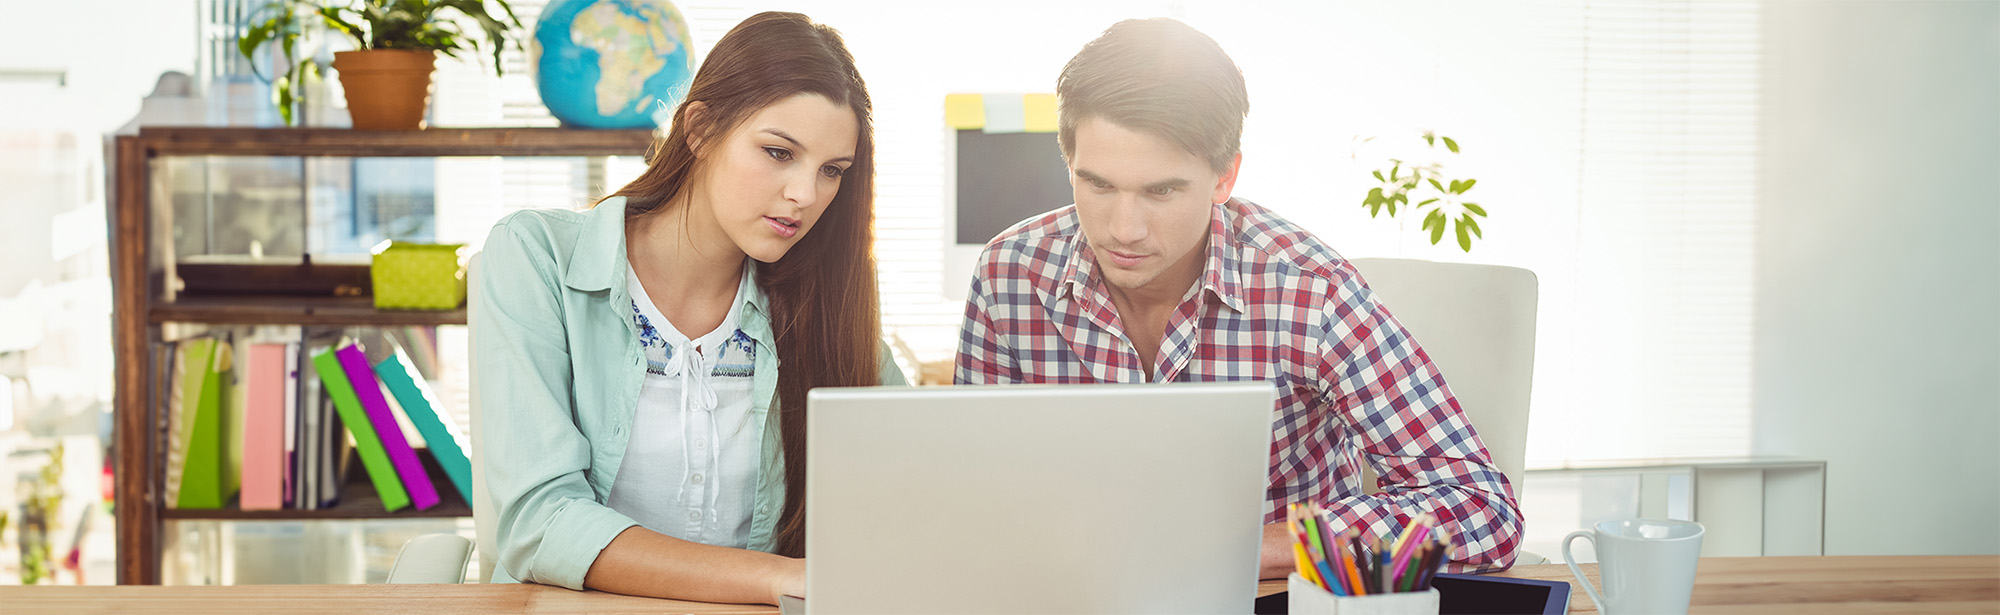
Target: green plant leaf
[1374, 194]
[1451, 145]
[1436, 224]
[1427, 202]
[337, 23]
[1467, 187]
[1394, 170]
[1378, 176]
[254, 38]
[1474, 208]
[1474, 225]
[1435, 184]
[1430, 139]
[496, 31]
[1374, 208]
[1464, 240]
[1454, 186]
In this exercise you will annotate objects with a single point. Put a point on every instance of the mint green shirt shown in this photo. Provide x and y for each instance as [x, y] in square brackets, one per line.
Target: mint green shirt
[558, 367]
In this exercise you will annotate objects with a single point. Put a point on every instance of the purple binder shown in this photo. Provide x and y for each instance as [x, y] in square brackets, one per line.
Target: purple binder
[369, 391]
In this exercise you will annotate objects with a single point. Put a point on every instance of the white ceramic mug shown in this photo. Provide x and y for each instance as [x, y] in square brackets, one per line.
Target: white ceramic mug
[1647, 565]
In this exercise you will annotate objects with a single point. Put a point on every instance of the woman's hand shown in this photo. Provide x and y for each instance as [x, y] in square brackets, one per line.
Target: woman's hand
[789, 578]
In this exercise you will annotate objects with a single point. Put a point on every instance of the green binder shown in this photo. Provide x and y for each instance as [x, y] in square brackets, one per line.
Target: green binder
[202, 483]
[373, 458]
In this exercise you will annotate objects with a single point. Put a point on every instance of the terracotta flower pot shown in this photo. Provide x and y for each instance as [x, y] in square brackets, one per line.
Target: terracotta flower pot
[387, 89]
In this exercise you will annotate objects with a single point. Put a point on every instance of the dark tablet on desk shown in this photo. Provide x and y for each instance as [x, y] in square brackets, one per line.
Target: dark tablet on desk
[1465, 594]
[1478, 593]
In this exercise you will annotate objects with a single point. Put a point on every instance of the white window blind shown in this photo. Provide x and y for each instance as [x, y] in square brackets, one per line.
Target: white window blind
[1614, 141]
[1615, 144]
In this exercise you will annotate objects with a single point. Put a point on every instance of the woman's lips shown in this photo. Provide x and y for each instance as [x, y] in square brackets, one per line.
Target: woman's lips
[784, 227]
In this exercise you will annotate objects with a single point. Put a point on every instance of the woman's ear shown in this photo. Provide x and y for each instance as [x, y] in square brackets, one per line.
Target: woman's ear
[695, 114]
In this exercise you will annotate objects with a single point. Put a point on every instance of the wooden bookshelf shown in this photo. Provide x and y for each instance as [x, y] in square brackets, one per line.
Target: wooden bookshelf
[140, 309]
[255, 310]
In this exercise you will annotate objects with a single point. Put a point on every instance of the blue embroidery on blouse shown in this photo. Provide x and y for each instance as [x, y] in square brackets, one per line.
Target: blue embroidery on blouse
[648, 336]
[739, 357]
[739, 352]
[658, 351]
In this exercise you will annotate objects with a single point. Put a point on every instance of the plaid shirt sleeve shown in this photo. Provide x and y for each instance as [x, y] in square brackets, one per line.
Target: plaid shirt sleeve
[1388, 395]
[981, 357]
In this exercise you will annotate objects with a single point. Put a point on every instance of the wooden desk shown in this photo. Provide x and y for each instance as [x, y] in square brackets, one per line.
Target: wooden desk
[1818, 585]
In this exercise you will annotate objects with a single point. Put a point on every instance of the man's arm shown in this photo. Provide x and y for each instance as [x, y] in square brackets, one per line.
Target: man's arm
[983, 357]
[1409, 427]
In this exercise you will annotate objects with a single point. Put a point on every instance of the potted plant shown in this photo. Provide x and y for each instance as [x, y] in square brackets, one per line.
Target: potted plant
[388, 77]
[1441, 198]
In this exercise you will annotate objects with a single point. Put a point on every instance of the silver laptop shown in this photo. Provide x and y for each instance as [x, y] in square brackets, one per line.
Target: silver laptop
[1036, 499]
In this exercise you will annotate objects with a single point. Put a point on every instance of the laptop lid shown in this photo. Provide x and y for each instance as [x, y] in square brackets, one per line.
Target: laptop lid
[1036, 499]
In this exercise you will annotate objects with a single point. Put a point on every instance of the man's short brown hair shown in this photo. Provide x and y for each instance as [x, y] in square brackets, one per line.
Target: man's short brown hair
[1160, 77]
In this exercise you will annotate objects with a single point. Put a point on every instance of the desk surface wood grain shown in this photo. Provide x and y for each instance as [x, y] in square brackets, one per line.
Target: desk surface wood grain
[1817, 585]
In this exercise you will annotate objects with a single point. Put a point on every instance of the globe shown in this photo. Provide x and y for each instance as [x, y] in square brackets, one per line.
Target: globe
[611, 63]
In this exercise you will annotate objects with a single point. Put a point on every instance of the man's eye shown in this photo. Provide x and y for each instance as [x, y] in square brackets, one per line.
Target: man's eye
[1100, 185]
[1163, 191]
[778, 153]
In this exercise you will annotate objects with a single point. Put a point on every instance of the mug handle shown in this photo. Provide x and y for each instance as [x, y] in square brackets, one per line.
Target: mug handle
[1588, 589]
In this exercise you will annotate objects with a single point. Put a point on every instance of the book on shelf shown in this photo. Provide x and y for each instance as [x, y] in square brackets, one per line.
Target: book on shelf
[290, 448]
[447, 443]
[204, 479]
[368, 390]
[184, 395]
[263, 434]
[374, 459]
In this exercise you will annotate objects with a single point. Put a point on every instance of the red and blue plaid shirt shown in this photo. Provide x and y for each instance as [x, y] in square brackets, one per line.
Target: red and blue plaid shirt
[1272, 303]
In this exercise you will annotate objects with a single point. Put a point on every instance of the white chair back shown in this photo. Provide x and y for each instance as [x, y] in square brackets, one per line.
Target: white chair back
[1477, 323]
[484, 519]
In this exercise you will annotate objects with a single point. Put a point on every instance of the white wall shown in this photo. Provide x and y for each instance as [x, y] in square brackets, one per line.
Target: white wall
[1876, 338]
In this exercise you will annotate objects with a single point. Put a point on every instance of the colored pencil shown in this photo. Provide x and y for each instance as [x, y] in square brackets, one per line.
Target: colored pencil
[1404, 537]
[1305, 570]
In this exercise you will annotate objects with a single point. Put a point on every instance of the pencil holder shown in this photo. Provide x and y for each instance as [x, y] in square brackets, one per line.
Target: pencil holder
[1307, 598]
[418, 276]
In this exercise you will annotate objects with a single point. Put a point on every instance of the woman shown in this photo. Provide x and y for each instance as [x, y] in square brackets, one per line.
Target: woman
[640, 435]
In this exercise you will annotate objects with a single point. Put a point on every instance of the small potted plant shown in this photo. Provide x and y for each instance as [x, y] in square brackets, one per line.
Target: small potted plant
[388, 76]
[1446, 205]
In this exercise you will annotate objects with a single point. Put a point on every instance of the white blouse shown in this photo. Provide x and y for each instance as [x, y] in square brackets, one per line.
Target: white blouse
[690, 468]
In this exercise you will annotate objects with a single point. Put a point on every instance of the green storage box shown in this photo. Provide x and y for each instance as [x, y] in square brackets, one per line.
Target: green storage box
[419, 276]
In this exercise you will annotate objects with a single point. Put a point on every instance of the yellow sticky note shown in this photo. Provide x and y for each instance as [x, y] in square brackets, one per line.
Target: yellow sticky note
[964, 111]
[1041, 111]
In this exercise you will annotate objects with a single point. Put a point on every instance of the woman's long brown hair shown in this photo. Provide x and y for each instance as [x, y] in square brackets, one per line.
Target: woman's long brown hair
[824, 309]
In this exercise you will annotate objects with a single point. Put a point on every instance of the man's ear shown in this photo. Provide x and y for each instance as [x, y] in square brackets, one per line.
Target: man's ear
[696, 115]
[1226, 183]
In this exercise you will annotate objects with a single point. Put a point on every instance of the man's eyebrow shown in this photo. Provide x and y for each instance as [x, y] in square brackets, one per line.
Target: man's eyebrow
[1175, 183]
[801, 146]
[1091, 177]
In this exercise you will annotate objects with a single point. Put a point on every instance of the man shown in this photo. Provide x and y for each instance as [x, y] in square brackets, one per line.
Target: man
[1156, 274]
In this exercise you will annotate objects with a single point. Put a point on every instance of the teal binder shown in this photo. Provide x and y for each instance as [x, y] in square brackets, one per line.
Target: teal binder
[441, 433]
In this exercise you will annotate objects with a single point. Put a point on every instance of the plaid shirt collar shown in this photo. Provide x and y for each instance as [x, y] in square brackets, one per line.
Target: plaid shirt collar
[1221, 275]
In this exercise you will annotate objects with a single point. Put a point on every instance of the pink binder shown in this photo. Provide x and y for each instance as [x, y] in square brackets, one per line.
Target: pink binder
[264, 429]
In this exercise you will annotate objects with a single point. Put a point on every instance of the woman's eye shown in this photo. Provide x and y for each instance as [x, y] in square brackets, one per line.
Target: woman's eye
[832, 171]
[778, 153]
